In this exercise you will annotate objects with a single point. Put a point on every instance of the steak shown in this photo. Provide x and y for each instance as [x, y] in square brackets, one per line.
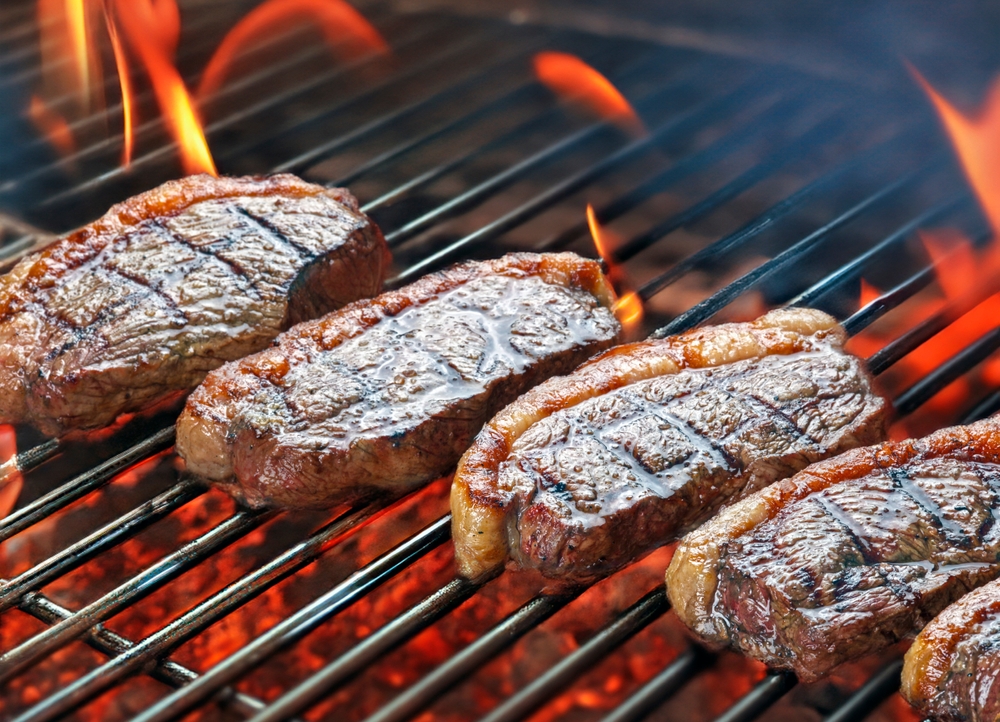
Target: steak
[848, 556]
[952, 670]
[588, 473]
[141, 304]
[385, 395]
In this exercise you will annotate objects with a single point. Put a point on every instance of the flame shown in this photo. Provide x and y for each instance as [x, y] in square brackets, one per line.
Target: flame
[71, 68]
[139, 22]
[869, 293]
[571, 78]
[628, 309]
[125, 81]
[345, 30]
[52, 125]
[11, 480]
[76, 19]
[976, 140]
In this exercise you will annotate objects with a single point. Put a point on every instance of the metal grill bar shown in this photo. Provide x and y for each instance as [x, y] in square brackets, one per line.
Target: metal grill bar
[166, 151]
[196, 619]
[660, 687]
[769, 690]
[154, 577]
[863, 702]
[101, 540]
[390, 636]
[558, 192]
[758, 225]
[536, 694]
[129, 657]
[470, 659]
[709, 307]
[301, 623]
[82, 485]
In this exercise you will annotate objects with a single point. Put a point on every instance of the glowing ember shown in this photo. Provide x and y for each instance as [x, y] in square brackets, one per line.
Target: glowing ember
[628, 309]
[572, 79]
[868, 293]
[345, 30]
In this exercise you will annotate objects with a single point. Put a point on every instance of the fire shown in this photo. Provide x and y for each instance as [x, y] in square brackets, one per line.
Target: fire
[125, 82]
[571, 78]
[11, 480]
[52, 125]
[345, 30]
[141, 21]
[628, 309]
[868, 293]
[966, 276]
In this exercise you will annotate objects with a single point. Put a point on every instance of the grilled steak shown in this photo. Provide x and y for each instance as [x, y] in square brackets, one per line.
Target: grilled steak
[385, 395]
[167, 286]
[952, 671]
[848, 556]
[587, 473]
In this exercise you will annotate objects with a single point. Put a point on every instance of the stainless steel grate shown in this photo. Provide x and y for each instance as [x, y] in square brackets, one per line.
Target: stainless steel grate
[792, 186]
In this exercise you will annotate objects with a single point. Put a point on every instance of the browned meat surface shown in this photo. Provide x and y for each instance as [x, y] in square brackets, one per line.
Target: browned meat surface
[589, 472]
[170, 284]
[386, 394]
[848, 556]
[952, 670]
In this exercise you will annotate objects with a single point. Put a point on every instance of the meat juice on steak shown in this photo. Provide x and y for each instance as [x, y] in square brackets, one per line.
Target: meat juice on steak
[850, 555]
[141, 304]
[587, 473]
[952, 669]
[385, 395]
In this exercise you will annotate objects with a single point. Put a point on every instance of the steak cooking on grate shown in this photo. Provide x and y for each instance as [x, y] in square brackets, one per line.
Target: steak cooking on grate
[952, 669]
[386, 394]
[587, 473]
[169, 285]
[848, 556]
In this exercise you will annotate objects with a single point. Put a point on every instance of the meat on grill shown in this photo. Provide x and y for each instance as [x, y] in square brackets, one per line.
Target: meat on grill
[848, 556]
[385, 395]
[587, 473]
[141, 304]
[952, 670]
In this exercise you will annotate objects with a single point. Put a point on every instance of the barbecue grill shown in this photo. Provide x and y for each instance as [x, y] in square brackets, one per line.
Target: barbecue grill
[758, 183]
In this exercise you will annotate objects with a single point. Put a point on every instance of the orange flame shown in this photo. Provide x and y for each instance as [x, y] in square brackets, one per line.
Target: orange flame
[125, 81]
[52, 125]
[140, 19]
[628, 309]
[976, 140]
[11, 480]
[572, 79]
[345, 30]
[71, 68]
[868, 293]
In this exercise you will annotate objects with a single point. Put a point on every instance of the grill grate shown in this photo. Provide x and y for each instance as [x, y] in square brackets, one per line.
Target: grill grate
[807, 183]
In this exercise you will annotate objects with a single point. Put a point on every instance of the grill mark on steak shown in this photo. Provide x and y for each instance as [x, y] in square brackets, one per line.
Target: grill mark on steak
[271, 230]
[140, 304]
[208, 252]
[385, 395]
[586, 474]
[913, 510]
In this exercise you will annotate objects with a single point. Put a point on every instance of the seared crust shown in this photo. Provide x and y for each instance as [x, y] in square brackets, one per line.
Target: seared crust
[491, 517]
[284, 427]
[952, 669]
[847, 556]
[169, 284]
